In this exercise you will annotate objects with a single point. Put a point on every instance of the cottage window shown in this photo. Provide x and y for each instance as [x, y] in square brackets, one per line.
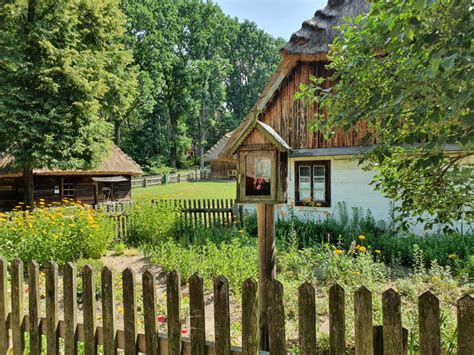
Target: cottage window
[68, 188]
[313, 183]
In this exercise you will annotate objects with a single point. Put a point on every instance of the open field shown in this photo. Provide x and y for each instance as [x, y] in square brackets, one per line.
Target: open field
[194, 190]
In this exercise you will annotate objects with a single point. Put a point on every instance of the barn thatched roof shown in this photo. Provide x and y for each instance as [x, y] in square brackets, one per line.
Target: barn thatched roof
[213, 153]
[317, 33]
[116, 163]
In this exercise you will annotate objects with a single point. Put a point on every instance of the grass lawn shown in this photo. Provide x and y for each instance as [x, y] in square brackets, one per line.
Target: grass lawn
[193, 190]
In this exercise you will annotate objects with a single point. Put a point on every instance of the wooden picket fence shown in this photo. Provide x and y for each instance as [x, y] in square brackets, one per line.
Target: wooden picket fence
[388, 338]
[201, 212]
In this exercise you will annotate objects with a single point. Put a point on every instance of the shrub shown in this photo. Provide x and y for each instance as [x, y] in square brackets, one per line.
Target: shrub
[235, 259]
[63, 233]
[151, 223]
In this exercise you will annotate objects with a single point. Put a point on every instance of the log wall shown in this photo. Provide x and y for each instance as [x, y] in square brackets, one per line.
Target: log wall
[292, 119]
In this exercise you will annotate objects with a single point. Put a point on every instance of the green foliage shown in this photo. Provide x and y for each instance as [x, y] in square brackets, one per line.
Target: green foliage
[62, 234]
[406, 70]
[235, 259]
[345, 228]
[62, 69]
[150, 223]
[200, 73]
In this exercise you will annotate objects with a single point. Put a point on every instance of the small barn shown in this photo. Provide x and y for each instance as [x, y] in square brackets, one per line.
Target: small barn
[221, 167]
[110, 181]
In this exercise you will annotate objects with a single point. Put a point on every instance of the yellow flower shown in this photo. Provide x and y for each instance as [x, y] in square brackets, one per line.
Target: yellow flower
[338, 251]
[362, 249]
[435, 279]
[377, 251]
[453, 256]
[355, 273]
[362, 237]
[241, 231]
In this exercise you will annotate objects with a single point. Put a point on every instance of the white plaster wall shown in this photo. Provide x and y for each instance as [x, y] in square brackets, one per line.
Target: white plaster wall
[349, 184]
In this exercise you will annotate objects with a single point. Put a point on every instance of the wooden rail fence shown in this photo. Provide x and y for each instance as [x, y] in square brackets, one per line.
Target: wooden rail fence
[146, 181]
[388, 338]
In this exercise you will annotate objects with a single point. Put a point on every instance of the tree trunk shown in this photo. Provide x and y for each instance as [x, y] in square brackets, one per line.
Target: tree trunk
[174, 143]
[118, 133]
[29, 183]
[201, 157]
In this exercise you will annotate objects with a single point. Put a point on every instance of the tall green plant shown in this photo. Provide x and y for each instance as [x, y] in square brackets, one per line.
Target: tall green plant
[62, 69]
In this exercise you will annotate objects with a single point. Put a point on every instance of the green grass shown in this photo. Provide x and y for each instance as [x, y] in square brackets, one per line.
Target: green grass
[193, 190]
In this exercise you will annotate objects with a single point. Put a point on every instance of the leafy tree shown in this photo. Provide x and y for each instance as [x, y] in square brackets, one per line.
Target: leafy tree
[205, 71]
[406, 70]
[61, 65]
[253, 56]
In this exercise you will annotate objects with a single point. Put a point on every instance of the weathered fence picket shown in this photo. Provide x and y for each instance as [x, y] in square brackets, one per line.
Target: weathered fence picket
[364, 335]
[250, 317]
[337, 327]
[4, 310]
[173, 300]
[17, 307]
[89, 310]
[52, 309]
[307, 319]
[197, 315]
[222, 315]
[389, 338]
[70, 306]
[34, 308]
[149, 313]
[392, 323]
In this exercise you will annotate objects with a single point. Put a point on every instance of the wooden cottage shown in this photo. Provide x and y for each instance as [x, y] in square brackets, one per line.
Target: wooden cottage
[221, 167]
[110, 181]
[322, 173]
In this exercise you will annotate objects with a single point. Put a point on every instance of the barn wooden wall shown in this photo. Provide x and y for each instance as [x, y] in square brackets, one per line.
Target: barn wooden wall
[292, 119]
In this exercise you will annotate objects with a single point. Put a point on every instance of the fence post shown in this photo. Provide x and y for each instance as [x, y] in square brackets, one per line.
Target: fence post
[197, 315]
[89, 310]
[429, 319]
[52, 312]
[17, 307]
[70, 304]
[149, 311]
[129, 311]
[173, 300]
[364, 335]
[4, 337]
[222, 315]
[337, 340]
[465, 308]
[307, 319]
[392, 323]
[250, 317]
[108, 311]
[144, 182]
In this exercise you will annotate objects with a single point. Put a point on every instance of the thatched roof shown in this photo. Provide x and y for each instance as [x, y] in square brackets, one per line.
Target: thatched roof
[213, 153]
[317, 33]
[116, 163]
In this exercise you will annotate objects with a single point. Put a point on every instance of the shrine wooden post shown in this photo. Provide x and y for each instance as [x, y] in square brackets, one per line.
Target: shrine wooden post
[262, 180]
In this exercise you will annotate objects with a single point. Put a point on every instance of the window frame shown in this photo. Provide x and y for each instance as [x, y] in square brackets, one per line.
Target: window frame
[73, 189]
[327, 181]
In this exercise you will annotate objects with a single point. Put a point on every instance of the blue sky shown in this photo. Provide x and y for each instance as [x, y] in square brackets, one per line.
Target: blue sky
[278, 17]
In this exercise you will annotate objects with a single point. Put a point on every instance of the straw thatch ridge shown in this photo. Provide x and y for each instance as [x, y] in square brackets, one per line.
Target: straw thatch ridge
[213, 153]
[116, 163]
[317, 33]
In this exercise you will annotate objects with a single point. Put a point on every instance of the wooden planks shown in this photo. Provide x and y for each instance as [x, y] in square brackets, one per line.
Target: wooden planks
[389, 338]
